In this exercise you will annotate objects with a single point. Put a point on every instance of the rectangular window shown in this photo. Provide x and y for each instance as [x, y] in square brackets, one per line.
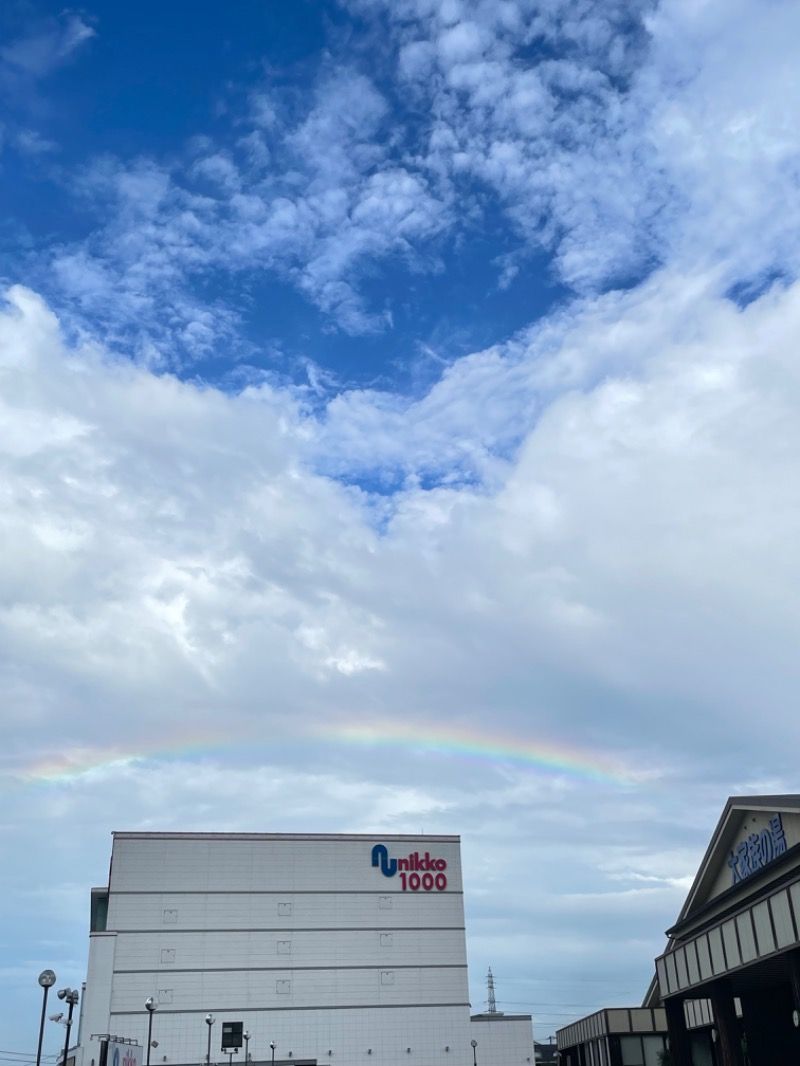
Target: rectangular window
[385, 903]
[653, 1046]
[285, 910]
[284, 947]
[168, 955]
[387, 977]
[386, 940]
[631, 1048]
[99, 915]
[170, 917]
[164, 996]
[283, 988]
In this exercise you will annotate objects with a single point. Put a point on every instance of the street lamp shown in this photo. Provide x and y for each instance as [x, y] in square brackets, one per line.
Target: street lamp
[272, 1049]
[150, 1005]
[474, 1055]
[46, 979]
[70, 996]
[209, 1023]
[246, 1038]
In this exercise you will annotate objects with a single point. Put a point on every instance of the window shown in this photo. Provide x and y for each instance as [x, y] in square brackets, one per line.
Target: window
[99, 916]
[640, 1050]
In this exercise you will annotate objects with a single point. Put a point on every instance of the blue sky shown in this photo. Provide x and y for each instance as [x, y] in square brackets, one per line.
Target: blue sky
[426, 367]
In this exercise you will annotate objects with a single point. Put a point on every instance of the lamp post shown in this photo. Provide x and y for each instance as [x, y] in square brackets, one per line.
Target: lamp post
[209, 1023]
[474, 1054]
[46, 979]
[246, 1038]
[272, 1049]
[70, 996]
[150, 1005]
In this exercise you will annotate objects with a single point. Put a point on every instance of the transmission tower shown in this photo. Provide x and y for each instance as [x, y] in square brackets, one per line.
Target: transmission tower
[492, 1009]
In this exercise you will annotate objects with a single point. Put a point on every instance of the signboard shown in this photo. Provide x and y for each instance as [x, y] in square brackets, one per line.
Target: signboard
[757, 850]
[124, 1054]
[417, 872]
[232, 1035]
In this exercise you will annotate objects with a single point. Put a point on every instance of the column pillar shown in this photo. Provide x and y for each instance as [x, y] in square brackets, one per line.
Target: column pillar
[680, 1050]
[793, 959]
[729, 1031]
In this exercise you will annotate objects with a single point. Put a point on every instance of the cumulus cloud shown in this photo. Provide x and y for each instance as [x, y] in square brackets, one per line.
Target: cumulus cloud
[176, 537]
[176, 573]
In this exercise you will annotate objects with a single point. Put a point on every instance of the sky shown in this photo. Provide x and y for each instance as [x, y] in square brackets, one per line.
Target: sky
[398, 433]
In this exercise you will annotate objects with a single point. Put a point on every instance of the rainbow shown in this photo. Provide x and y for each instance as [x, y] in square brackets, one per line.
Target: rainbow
[491, 749]
[445, 741]
[70, 764]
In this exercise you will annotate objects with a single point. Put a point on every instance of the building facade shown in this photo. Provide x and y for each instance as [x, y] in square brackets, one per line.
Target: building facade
[619, 1036]
[332, 948]
[730, 977]
[727, 986]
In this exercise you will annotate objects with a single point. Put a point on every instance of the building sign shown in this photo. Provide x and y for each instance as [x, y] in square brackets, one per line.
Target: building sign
[232, 1035]
[416, 871]
[757, 850]
[124, 1054]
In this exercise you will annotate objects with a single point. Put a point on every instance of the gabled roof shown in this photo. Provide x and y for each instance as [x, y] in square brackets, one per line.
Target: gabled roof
[723, 839]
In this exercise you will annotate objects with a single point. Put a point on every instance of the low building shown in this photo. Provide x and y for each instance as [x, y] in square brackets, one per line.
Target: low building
[619, 1036]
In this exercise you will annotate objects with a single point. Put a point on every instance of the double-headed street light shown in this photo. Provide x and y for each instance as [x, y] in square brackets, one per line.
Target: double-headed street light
[46, 979]
[151, 1005]
[209, 1023]
[70, 996]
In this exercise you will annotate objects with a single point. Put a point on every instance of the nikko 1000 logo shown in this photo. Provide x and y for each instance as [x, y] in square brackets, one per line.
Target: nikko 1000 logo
[416, 871]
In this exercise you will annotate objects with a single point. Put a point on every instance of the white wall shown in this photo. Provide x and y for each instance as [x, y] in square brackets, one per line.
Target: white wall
[502, 1040]
[300, 938]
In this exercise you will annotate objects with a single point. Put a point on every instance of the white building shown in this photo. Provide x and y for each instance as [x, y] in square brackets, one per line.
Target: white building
[333, 948]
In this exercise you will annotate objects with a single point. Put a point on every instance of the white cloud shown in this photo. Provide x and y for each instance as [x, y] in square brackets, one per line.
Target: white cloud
[46, 48]
[336, 204]
[175, 574]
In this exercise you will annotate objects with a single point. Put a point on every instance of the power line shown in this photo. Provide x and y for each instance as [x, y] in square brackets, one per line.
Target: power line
[545, 1003]
[27, 1054]
[23, 1057]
